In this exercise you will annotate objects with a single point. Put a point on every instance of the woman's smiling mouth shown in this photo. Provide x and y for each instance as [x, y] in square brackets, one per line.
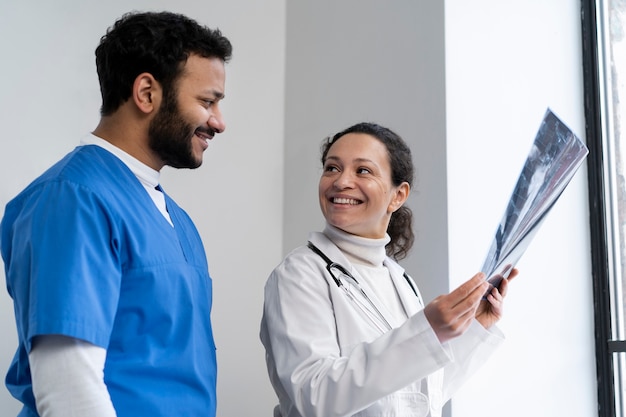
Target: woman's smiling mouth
[341, 200]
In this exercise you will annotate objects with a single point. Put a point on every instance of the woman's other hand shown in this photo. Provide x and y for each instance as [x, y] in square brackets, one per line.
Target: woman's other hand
[450, 315]
[490, 310]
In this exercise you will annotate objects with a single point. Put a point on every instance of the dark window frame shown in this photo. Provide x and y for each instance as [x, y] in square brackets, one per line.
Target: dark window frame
[604, 345]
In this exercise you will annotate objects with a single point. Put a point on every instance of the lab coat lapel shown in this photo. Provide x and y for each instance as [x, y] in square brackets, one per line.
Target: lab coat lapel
[410, 302]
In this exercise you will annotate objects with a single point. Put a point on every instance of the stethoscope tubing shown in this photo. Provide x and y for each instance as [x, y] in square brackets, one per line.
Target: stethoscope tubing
[368, 307]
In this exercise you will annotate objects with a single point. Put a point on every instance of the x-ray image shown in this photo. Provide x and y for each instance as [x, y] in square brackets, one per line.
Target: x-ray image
[554, 158]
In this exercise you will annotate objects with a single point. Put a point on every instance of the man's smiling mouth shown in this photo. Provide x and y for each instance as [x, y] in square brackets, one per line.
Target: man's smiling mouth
[203, 134]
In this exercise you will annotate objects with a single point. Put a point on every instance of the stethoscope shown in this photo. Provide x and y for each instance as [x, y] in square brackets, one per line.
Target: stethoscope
[351, 288]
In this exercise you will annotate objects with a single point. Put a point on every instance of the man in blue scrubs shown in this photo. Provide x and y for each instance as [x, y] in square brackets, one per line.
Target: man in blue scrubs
[108, 274]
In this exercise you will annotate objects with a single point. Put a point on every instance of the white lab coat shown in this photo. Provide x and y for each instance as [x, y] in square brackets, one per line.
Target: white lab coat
[325, 359]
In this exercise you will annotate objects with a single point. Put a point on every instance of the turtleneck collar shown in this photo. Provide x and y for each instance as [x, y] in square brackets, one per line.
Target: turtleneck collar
[359, 250]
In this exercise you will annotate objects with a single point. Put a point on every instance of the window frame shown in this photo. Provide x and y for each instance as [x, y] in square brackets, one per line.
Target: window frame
[606, 347]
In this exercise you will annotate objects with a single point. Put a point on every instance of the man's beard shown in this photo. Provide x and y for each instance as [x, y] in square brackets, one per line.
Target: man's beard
[171, 136]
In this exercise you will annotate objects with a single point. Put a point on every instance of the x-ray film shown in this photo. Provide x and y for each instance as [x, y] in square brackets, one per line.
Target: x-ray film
[554, 158]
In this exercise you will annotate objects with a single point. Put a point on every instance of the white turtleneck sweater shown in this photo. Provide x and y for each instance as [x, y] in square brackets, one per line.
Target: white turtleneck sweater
[367, 257]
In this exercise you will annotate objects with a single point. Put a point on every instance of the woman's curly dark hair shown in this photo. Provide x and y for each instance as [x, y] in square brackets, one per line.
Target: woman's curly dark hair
[158, 43]
[400, 227]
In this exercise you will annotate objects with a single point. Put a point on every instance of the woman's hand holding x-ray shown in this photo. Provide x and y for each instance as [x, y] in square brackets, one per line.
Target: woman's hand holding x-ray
[491, 307]
[451, 314]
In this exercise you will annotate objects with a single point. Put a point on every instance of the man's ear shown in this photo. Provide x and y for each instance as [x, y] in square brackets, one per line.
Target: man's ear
[402, 193]
[146, 93]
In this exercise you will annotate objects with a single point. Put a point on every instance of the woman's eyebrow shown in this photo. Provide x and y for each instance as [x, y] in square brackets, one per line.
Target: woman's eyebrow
[336, 158]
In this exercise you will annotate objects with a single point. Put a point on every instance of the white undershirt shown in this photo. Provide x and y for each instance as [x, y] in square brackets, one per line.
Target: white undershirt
[68, 373]
[367, 257]
[68, 378]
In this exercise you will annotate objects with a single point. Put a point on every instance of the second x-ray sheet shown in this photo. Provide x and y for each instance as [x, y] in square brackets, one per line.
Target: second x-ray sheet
[554, 158]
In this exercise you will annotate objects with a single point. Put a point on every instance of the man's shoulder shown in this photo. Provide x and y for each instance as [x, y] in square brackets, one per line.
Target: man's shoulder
[85, 163]
[88, 168]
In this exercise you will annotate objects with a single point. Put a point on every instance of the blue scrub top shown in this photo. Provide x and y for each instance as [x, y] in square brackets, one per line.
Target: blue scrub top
[88, 255]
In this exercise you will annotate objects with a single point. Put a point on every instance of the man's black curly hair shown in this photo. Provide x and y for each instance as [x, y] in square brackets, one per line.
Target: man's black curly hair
[158, 43]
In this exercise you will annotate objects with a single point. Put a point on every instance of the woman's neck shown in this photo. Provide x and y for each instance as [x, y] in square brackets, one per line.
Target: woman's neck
[359, 250]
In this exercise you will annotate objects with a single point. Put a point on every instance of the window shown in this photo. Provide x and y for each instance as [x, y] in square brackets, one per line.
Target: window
[604, 59]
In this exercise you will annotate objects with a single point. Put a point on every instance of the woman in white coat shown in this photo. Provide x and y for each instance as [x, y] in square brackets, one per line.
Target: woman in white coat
[344, 328]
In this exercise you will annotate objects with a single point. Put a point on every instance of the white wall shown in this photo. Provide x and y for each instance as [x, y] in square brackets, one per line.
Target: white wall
[465, 84]
[49, 97]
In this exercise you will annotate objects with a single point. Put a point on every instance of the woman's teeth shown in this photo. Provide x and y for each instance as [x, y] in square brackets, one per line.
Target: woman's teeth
[345, 201]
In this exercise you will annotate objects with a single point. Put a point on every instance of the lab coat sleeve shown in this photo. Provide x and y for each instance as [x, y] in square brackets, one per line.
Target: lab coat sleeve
[470, 351]
[306, 364]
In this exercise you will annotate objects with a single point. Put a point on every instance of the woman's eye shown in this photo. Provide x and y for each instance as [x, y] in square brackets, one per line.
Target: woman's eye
[331, 168]
[363, 171]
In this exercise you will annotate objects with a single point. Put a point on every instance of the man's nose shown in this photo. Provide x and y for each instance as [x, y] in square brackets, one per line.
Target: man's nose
[216, 122]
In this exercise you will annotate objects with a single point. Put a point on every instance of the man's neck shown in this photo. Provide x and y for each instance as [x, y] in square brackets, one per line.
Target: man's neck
[130, 135]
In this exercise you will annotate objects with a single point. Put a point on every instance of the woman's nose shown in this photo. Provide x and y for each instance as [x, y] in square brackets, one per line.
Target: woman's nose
[344, 180]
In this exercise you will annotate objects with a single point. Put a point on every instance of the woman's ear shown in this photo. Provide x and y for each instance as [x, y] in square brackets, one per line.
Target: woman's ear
[401, 195]
[147, 93]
